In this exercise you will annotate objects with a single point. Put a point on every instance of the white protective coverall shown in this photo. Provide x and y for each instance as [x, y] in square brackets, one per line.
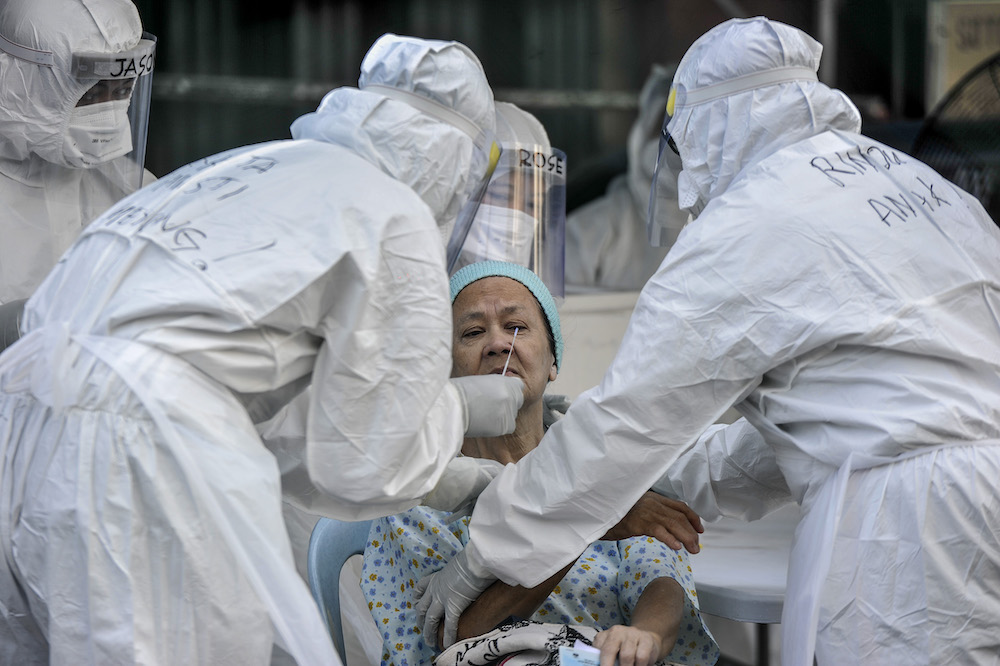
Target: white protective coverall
[140, 515]
[844, 297]
[47, 195]
[606, 240]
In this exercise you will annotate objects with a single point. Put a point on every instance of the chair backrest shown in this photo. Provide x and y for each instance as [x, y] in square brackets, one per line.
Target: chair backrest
[331, 543]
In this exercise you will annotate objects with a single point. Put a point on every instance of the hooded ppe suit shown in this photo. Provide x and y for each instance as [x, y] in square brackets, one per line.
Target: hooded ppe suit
[49, 189]
[140, 515]
[606, 239]
[843, 296]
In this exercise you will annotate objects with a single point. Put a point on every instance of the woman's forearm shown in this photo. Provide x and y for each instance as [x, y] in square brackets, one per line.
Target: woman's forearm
[659, 610]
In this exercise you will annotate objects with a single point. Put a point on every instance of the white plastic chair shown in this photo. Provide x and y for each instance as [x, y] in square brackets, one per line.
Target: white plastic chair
[330, 544]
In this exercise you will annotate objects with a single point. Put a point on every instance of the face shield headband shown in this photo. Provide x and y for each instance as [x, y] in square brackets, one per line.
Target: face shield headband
[116, 66]
[486, 155]
[522, 216]
[35, 56]
[668, 174]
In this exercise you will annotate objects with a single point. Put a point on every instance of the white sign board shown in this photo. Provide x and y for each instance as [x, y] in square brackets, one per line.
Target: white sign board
[960, 35]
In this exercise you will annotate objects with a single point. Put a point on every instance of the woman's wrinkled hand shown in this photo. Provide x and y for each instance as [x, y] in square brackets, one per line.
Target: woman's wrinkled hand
[630, 646]
[671, 521]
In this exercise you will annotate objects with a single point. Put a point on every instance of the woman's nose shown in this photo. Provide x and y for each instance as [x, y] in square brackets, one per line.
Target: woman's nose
[498, 343]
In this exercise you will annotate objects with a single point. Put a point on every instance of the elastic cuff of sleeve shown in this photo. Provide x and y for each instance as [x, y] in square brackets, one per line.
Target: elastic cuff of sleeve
[476, 562]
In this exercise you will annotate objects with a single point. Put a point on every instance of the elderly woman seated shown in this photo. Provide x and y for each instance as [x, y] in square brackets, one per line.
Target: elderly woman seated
[637, 591]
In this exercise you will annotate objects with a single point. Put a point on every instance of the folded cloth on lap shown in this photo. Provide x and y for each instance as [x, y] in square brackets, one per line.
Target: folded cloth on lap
[521, 643]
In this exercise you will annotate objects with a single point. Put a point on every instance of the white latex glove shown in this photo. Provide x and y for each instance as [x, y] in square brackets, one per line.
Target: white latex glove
[463, 479]
[489, 403]
[447, 593]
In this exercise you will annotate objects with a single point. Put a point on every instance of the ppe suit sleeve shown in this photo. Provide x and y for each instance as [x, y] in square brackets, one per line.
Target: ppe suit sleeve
[383, 419]
[729, 472]
[462, 482]
[284, 435]
[725, 307]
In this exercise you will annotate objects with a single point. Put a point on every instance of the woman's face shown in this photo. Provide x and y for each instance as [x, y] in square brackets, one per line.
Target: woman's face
[485, 315]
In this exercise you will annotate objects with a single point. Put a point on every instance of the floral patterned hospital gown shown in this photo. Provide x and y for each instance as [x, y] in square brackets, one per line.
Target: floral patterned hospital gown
[600, 590]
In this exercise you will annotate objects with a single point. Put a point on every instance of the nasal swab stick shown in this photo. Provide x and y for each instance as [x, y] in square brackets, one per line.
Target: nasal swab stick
[509, 354]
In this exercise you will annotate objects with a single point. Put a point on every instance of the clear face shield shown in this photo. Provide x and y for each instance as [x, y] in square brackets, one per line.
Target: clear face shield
[661, 224]
[464, 220]
[107, 128]
[522, 216]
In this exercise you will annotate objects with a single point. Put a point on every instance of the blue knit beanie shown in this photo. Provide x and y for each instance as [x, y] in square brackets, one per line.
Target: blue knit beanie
[469, 274]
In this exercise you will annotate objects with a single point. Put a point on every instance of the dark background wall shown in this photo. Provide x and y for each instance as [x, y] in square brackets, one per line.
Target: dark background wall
[231, 73]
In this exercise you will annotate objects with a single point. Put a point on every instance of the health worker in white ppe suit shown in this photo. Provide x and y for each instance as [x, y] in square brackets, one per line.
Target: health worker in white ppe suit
[843, 297]
[141, 512]
[75, 79]
[522, 217]
[518, 218]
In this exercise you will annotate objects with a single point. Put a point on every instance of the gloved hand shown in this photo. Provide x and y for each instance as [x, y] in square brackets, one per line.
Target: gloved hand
[448, 593]
[489, 403]
[463, 479]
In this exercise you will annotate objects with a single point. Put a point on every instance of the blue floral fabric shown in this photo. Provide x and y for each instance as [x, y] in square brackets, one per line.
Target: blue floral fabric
[600, 590]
